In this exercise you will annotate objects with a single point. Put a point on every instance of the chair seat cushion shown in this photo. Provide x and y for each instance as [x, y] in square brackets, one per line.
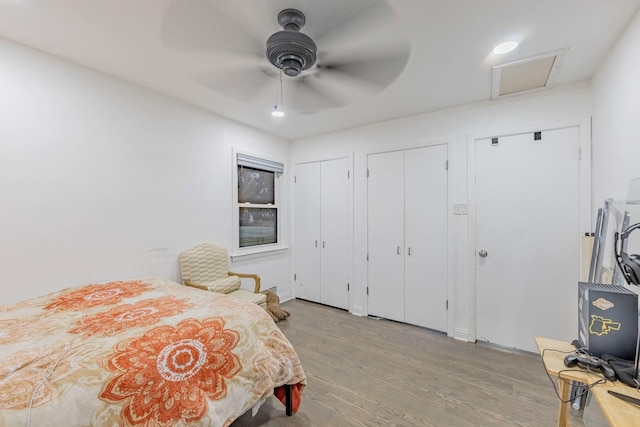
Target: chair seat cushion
[223, 286]
[244, 295]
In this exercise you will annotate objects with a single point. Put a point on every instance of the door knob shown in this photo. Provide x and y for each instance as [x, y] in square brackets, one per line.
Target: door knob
[483, 253]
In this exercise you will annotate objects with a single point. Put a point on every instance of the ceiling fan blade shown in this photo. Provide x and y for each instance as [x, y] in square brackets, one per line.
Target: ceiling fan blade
[371, 51]
[345, 82]
[204, 24]
[384, 44]
[368, 75]
[342, 24]
[303, 97]
[340, 88]
[243, 85]
[198, 61]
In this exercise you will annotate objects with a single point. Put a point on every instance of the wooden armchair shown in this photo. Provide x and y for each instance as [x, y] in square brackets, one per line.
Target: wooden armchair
[206, 267]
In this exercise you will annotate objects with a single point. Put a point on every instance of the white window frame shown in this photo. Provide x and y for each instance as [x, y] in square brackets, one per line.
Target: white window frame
[279, 187]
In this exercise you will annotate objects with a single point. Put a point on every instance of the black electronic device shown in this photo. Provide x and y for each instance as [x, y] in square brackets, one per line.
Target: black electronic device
[607, 320]
[590, 363]
[629, 264]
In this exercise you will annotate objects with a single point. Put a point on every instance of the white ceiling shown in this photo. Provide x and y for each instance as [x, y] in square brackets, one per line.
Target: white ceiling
[449, 61]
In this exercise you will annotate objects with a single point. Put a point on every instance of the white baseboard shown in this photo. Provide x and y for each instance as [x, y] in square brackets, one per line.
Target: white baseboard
[358, 310]
[285, 296]
[461, 334]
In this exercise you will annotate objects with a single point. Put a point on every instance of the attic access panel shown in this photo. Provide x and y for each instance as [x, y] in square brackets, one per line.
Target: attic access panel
[526, 75]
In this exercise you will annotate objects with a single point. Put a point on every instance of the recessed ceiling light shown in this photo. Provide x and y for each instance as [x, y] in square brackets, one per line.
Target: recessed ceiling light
[505, 47]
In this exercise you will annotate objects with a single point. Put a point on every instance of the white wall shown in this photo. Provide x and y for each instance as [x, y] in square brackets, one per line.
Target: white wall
[101, 180]
[616, 125]
[567, 104]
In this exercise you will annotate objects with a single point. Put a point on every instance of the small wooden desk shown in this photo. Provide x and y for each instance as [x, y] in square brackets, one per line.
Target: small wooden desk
[617, 412]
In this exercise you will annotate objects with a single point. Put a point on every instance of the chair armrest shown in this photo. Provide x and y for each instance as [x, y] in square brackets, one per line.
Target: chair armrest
[196, 285]
[255, 277]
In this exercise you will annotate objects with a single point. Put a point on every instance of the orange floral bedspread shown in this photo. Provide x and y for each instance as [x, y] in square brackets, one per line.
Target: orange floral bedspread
[138, 353]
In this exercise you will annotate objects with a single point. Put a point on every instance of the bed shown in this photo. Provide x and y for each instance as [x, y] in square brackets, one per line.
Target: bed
[140, 353]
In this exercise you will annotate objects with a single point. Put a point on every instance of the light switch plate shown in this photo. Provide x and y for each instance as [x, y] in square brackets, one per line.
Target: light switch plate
[460, 209]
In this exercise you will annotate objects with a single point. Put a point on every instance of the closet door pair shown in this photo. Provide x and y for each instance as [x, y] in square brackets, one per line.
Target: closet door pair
[407, 217]
[322, 232]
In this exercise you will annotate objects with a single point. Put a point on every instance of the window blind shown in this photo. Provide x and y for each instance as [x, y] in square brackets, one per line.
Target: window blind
[258, 163]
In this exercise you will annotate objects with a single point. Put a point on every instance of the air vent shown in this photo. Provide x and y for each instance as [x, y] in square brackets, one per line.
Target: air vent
[526, 75]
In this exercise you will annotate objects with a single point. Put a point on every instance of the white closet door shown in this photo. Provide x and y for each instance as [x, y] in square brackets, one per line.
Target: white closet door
[426, 199]
[307, 240]
[334, 220]
[527, 227]
[386, 235]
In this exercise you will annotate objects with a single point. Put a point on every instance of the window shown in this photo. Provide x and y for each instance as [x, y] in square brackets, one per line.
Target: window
[258, 214]
[257, 202]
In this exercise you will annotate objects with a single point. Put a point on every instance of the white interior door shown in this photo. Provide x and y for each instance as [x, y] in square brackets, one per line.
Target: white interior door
[385, 194]
[426, 201]
[307, 240]
[335, 181]
[527, 224]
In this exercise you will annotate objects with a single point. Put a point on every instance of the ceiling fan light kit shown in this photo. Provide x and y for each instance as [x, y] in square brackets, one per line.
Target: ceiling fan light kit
[289, 49]
[276, 112]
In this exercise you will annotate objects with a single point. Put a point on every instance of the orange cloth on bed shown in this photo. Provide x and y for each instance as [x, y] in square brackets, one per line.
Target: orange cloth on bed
[296, 392]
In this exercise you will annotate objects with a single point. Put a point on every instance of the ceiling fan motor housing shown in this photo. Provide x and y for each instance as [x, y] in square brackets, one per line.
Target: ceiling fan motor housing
[291, 50]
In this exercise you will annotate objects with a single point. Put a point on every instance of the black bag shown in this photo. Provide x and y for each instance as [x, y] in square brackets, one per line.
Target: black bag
[625, 369]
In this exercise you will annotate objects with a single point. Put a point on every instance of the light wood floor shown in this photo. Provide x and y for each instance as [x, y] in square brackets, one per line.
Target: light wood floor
[367, 372]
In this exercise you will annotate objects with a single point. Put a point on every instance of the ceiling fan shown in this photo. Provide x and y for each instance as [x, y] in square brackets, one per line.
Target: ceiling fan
[348, 50]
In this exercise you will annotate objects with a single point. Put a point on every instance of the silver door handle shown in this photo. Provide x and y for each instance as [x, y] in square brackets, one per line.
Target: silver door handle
[323, 244]
[409, 251]
[483, 253]
[316, 243]
[398, 251]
